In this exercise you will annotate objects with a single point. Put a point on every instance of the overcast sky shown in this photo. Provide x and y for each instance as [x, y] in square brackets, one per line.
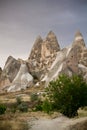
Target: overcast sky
[21, 21]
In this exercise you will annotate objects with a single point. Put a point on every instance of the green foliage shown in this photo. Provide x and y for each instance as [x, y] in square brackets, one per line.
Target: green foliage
[2, 109]
[38, 106]
[46, 106]
[13, 110]
[23, 107]
[19, 101]
[34, 97]
[67, 94]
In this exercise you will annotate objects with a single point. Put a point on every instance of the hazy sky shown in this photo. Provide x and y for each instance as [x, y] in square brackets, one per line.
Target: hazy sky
[21, 21]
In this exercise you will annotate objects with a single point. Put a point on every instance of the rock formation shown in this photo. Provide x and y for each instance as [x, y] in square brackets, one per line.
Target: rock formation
[69, 60]
[22, 80]
[42, 55]
[45, 63]
[9, 72]
[11, 68]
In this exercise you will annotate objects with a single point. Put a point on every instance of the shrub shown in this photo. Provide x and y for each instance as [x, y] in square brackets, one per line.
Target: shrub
[38, 107]
[34, 97]
[68, 94]
[2, 109]
[19, 101]
[46, 106]
[23, 107]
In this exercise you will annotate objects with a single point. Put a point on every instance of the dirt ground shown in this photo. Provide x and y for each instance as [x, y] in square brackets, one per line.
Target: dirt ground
[59, 123]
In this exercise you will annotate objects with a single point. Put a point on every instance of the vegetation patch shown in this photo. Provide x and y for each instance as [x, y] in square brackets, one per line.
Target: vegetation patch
[66, 95]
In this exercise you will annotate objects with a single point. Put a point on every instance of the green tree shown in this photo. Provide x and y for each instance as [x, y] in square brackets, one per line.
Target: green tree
[68, 94]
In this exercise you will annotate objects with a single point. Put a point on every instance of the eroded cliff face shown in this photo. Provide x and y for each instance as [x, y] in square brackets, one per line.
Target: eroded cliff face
[42, 55]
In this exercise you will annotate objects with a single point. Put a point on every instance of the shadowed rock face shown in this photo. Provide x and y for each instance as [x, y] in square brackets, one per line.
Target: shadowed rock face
[42, 55]
[9, 72]
[11, 68]
[0, 71]
[22, 80]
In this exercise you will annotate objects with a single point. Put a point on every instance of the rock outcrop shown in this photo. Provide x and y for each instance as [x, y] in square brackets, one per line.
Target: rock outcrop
[9, 72]
[69, 60]
[22, 80]
[42, 55]
[11, 68]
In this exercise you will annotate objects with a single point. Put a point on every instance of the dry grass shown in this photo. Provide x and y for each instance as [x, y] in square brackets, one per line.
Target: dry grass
[82, 112]
[17, 121]
[13, 125]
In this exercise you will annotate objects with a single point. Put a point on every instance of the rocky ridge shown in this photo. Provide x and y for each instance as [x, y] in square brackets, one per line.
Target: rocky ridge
[45, 62]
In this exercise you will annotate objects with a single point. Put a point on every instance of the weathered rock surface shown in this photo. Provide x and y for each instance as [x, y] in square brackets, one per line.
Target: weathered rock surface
[11, 68]
[9, 72]
[42, 55]
[22, 80]
[69, 60]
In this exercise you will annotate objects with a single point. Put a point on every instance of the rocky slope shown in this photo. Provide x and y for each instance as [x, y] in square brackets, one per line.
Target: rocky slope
[46, 61]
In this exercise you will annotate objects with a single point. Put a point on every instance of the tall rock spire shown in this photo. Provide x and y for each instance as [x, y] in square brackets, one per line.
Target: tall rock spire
[52, 39]
[78, 40]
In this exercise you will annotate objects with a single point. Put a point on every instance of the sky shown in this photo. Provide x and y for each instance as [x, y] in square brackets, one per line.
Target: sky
[21, 21]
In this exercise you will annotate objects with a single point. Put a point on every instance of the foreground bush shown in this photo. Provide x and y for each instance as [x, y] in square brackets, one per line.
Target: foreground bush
[2, 109]
[23, 107]
[46, 106]
[68, 94]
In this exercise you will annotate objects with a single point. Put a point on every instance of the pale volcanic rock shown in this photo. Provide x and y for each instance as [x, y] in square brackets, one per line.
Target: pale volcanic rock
[22, 80]
[42, 55]
[45, 63]
[67, 60]
[78, 40]
[9, 72]
[11, 68]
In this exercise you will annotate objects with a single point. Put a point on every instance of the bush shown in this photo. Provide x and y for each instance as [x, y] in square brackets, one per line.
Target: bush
[2, 109]
[68, 94]
[23, 107]
[34, 97]
[46, 106]
[19, 101]
[38, 107]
